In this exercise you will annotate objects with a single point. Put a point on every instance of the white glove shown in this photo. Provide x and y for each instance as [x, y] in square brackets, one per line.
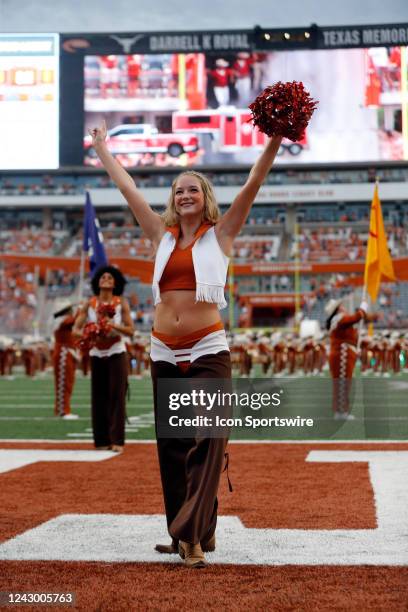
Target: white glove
[364, 306]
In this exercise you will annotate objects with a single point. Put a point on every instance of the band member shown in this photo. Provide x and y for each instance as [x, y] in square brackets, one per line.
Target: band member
[365, 353]
[343, 352]
[64, 360]
[319, 355]
[109, 364]
[7, 355]
[292, 353]
[29, 356]
[308, 355]
[193, 243]
[395, 351]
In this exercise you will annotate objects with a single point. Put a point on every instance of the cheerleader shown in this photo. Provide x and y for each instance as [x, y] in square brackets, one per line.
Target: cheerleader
[193, 243]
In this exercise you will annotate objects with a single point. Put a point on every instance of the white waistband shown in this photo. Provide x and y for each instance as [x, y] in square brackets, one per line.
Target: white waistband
[209, 345]
[115, 349]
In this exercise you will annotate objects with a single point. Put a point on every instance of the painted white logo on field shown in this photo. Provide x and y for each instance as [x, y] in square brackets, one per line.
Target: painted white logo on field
[125, 538]
[11, 459]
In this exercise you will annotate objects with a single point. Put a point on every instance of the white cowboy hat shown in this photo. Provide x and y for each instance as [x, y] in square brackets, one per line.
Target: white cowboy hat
[331, 307]
[5, 341]
[221, 63]
[62, 307]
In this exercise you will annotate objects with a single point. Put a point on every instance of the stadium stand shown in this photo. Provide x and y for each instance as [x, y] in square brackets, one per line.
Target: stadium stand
[329, 234]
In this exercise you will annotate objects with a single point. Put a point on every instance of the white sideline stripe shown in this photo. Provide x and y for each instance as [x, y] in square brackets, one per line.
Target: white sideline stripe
[126, 538]
[43, 418]
[51, 406]
[12, 459]
[88, 436]
[153, 441]
[36, 407]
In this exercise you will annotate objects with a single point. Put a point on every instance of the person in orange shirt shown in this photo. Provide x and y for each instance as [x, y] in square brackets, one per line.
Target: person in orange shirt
[193, 243]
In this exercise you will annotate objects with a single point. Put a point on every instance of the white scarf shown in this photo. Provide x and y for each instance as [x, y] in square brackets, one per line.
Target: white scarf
[210, 267]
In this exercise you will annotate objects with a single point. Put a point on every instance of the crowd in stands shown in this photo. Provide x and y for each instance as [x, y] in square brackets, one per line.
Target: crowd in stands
[60, 283]
[317, 243]
[343, 244]
[249, 249]
[77, 183]
[32, 241]
[18, 298]
[129, 243]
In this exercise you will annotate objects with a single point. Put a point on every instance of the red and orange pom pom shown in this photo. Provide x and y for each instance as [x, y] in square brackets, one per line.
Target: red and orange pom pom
[106, 310]
[104, 328]
[283, 109]
[89, 336]
[93, 332]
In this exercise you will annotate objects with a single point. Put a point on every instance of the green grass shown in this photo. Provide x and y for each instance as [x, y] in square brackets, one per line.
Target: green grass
[27, 410]
[380, 406]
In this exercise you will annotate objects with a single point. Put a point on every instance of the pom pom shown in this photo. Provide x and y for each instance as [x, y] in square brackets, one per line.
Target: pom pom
[93, 334]
[97, 334]
[104, 328]
[89, 337]
[283, 109]
[106, 310]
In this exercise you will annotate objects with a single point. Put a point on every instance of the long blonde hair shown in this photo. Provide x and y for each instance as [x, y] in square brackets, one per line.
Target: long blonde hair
[211, 210]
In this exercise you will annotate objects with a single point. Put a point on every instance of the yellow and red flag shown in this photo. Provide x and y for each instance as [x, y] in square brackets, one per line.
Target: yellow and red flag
[378, 259]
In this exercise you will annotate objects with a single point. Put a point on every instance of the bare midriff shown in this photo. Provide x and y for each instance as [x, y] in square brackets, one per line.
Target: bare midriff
[179, 314]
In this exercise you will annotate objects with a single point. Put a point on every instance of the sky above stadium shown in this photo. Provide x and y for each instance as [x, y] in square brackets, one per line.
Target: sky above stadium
[144, 15]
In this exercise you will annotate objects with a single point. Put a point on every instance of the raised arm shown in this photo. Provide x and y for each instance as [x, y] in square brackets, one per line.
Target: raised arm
[150, 222]
[232, 221]
[80, 319]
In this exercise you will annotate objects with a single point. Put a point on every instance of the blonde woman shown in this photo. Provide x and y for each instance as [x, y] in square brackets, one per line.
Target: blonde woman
[193, 243]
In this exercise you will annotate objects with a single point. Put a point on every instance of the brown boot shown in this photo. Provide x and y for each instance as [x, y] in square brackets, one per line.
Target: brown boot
[208, 545]
[117, 448]
[192, 554]
[167, 549]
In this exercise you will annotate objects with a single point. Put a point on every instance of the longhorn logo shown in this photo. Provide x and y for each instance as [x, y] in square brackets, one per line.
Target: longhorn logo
[126, 43]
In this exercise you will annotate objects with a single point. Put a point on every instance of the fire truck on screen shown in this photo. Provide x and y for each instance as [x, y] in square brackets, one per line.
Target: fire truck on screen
[230, 130]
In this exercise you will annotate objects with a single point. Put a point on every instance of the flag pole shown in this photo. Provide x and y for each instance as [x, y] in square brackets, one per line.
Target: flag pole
[231, 295]
[92, 244]
[297, 280]
[364, 297]
[81, 276]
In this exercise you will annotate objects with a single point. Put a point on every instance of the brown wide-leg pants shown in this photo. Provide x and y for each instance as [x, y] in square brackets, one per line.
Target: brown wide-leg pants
[190, 468]
[108, 392]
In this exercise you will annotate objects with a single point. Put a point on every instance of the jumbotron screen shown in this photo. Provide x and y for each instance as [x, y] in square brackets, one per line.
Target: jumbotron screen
[29, 101]
[192, 109]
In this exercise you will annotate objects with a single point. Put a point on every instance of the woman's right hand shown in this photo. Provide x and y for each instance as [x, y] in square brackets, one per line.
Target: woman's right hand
[98, 134]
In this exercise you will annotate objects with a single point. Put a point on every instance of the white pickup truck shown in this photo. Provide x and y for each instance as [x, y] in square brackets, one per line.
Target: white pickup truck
[131, 138]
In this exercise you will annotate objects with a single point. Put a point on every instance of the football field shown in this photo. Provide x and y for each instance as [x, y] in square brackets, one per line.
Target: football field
[379, 404]
[310, 525]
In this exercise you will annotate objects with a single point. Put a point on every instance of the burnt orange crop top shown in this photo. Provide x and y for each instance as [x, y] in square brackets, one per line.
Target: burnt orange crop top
[179, 271]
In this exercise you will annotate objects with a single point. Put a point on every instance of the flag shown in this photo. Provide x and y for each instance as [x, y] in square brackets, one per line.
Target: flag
[378, 259]
[93, 239]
